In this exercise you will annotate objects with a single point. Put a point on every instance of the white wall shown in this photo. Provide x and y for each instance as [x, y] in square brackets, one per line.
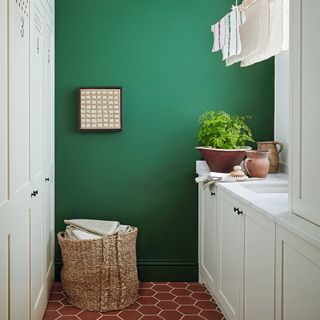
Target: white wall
[281, 127]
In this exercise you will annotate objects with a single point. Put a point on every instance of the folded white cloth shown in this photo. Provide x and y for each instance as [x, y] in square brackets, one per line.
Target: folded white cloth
[99, 227]
[76, 234]
[277, 39]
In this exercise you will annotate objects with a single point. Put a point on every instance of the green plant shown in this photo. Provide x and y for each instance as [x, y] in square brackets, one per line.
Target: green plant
[223, 131]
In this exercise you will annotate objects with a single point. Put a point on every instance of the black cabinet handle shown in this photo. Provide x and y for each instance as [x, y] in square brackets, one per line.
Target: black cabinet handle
[240, 212]
[34, 193]
[213, 193]
[236, 209]
[47, 179]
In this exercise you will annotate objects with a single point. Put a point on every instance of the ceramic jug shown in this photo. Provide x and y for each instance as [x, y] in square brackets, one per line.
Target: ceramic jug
[275, 147]
[257, 164]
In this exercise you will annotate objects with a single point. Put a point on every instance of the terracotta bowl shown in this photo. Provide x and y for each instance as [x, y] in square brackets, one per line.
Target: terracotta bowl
[223, 160]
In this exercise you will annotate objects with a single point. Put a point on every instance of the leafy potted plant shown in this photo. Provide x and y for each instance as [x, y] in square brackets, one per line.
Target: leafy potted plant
[222, 138]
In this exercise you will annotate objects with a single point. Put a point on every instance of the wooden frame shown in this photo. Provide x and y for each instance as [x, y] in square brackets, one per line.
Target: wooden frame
[106, 102]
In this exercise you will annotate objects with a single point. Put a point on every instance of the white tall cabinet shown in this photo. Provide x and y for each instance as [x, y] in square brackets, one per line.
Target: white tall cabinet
[26, 157]
[305, 111]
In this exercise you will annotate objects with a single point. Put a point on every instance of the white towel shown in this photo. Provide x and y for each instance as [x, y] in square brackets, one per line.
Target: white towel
[218, 30]
[285, 33]
[232, 45]
[275, 40]
[99, 227]
[76, 234]
[249, 32]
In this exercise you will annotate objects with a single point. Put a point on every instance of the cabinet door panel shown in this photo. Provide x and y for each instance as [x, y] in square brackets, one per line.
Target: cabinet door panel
[19, 94]
[38, 279]
[48, 101]
[298, 278]
[37, 29]
[230, 257]
[305, 70]
[208, 237]
[19, 265]
[259, 265]
[3, 103]
[4, 274]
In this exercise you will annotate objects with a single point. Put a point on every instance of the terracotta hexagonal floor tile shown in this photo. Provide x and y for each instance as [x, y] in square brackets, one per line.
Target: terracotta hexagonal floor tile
[201, 296]
[54, 305]
[189, 310]
[69, 318]
[197, 287]
[147, 310]
[185, 300]
[133, 306]
[147, 300]
[211, 315]
[171, 315]
[146, 292]
[206, 305]
[164, 296]
[178, 284]
[130, 315]
[88, 315]
[56, 296]
[161, 288]
[69, 311]
[111, 313]
[145, 284]
[153, 317]
[65, 302]
[167, 305]
[109, 318]
[56, 287]
[181, 292]
[51, 315]
[196, 317]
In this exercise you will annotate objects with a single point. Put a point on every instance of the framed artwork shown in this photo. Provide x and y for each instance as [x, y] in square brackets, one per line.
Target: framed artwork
[100, 109]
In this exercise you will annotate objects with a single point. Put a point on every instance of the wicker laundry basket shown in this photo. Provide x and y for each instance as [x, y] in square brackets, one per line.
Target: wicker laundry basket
[100, 275]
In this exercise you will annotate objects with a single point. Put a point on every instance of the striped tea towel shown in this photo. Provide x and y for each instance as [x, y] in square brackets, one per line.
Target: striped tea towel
[219, 32]
[232, 45]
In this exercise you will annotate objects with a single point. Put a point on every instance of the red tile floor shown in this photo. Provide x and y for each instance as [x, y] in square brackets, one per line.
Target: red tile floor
[157, 301]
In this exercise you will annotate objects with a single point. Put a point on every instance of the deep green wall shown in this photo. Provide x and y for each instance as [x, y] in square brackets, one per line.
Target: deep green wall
[159, 51]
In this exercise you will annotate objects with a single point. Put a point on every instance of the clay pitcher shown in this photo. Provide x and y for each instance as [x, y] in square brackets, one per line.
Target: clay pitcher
[257, 164]
[275, 148]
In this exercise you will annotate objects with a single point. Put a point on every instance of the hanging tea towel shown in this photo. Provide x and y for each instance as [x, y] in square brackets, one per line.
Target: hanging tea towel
[232, 45]
[249, 32]
[274, 42]
[219, 32]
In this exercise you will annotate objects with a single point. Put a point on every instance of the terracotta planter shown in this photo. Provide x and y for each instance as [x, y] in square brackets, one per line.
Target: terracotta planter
[223, 160]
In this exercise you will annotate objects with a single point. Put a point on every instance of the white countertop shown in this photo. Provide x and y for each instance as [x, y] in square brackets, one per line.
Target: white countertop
[275, 206]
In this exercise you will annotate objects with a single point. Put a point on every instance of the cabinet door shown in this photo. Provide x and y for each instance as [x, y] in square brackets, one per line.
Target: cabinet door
[297, 278]
[304, 92]
[207, 236]
[48, 145]
[259, 265]
[37, 106]
[19, 155]
[230, 257]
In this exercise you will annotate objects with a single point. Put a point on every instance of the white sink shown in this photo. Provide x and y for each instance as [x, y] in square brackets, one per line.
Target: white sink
[267, 188]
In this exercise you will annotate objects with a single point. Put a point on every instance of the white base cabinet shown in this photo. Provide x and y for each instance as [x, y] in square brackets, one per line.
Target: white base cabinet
[245, 287]
[207, 239]
[298, 278]
[255, 268]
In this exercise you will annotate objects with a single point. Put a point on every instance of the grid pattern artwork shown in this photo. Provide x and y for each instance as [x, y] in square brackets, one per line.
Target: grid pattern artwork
[100, 109]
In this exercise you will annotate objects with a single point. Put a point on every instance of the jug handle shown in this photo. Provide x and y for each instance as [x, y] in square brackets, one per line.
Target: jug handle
[280, 146]
[245, 166]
